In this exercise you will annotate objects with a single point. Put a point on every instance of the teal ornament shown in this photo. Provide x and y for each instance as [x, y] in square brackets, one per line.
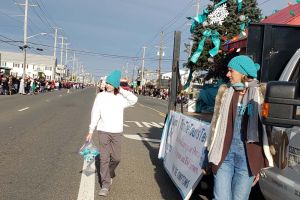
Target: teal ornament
[298, 1]
[242, 18]
[239, 5]
[215, 37]
[292, 12]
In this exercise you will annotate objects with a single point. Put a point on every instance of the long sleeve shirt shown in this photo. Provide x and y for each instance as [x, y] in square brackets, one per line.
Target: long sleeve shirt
[108, 110]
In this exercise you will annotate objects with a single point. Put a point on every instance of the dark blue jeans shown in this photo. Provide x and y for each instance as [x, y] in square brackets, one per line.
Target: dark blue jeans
[233, 180]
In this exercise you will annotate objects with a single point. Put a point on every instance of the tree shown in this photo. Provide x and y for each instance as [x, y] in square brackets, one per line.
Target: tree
[220, 22]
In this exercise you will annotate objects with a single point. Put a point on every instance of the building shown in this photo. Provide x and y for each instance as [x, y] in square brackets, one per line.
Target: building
[61, 72]
[36, 64]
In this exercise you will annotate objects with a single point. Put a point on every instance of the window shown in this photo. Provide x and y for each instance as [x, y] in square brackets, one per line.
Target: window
[48, 68]
[16, 65]
[3, 64]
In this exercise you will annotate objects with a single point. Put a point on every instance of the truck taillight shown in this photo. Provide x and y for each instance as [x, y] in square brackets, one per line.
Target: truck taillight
[265, 110]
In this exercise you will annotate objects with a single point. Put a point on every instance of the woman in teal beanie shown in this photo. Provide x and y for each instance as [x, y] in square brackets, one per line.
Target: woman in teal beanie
[107, 118]
[238, 145]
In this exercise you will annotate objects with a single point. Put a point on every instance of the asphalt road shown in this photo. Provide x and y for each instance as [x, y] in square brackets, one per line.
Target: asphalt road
[41, 136]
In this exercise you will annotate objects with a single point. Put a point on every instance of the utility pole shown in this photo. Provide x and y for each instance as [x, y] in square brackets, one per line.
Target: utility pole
[143, 65]
[175, 71]
[61, 50]
[73, 67]
[25, 37]
[54, 53]
[161, 54]
[66, 58]
[197, 7]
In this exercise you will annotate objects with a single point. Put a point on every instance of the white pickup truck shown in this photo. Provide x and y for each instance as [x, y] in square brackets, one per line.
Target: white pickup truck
[282, 119]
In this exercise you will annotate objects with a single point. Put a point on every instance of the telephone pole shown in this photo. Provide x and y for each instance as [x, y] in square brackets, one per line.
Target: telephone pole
[143, 65]
[25, 37]
[54, 52]
[73, 67]
[160, 54]
[197, 7]
[25, 46]
[62, 50]
[66, 58]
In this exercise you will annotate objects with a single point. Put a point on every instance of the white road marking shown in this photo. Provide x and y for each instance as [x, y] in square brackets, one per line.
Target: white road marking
[144, 124]
[137, 137]
[137, 123]
[150, 124]
[87, 183]
[23, 109]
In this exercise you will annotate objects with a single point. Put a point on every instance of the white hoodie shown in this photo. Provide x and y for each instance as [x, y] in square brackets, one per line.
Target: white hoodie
[108, 110]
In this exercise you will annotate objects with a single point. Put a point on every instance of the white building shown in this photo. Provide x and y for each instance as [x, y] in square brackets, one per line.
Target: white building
[35, 64]
[61, 72]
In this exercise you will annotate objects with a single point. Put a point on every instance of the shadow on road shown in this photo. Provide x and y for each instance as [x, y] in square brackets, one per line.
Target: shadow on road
[167, 188]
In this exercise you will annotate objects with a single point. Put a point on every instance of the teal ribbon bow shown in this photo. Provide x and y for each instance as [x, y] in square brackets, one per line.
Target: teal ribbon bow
[198, 20]
[239, 5]
[216, 41]
[242, 28]
[189, 79]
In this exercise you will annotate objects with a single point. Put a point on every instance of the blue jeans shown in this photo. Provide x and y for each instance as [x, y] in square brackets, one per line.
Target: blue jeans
[233, 179]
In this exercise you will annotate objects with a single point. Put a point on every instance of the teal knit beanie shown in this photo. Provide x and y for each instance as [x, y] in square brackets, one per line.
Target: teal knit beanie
[244, 65]
[114, 78]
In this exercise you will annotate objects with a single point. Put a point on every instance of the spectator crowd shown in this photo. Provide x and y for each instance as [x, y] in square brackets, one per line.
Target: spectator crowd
[10, 85]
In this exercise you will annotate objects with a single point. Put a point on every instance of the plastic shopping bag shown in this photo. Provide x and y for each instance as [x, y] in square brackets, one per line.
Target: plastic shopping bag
[89, 151]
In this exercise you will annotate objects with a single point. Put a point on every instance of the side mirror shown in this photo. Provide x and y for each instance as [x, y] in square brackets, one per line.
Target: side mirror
[280, 106]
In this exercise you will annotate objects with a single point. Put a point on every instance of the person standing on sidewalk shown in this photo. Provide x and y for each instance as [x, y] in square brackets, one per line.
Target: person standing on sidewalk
[107, 116]
[238, 145]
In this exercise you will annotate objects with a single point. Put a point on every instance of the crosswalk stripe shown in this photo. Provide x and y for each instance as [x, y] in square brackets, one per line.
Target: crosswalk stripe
[137, 137]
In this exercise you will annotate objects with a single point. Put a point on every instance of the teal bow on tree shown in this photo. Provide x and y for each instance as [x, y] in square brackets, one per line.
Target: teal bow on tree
[239, 5]
[198, 20]
[216, 41]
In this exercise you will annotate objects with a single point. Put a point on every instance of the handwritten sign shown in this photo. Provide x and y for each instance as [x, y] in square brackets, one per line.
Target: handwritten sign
[183, 151]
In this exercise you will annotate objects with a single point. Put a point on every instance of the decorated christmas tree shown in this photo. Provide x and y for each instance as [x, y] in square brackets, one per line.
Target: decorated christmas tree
[220, 23]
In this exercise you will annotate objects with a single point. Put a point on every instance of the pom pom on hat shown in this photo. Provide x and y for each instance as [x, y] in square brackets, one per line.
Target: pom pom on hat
[114, 78]
[244, 65]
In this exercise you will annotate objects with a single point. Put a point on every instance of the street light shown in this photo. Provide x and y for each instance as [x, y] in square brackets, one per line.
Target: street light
[24, 47]
[36, 35]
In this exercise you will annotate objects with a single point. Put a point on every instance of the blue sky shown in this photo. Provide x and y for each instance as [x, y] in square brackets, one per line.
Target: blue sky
[117, 28]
